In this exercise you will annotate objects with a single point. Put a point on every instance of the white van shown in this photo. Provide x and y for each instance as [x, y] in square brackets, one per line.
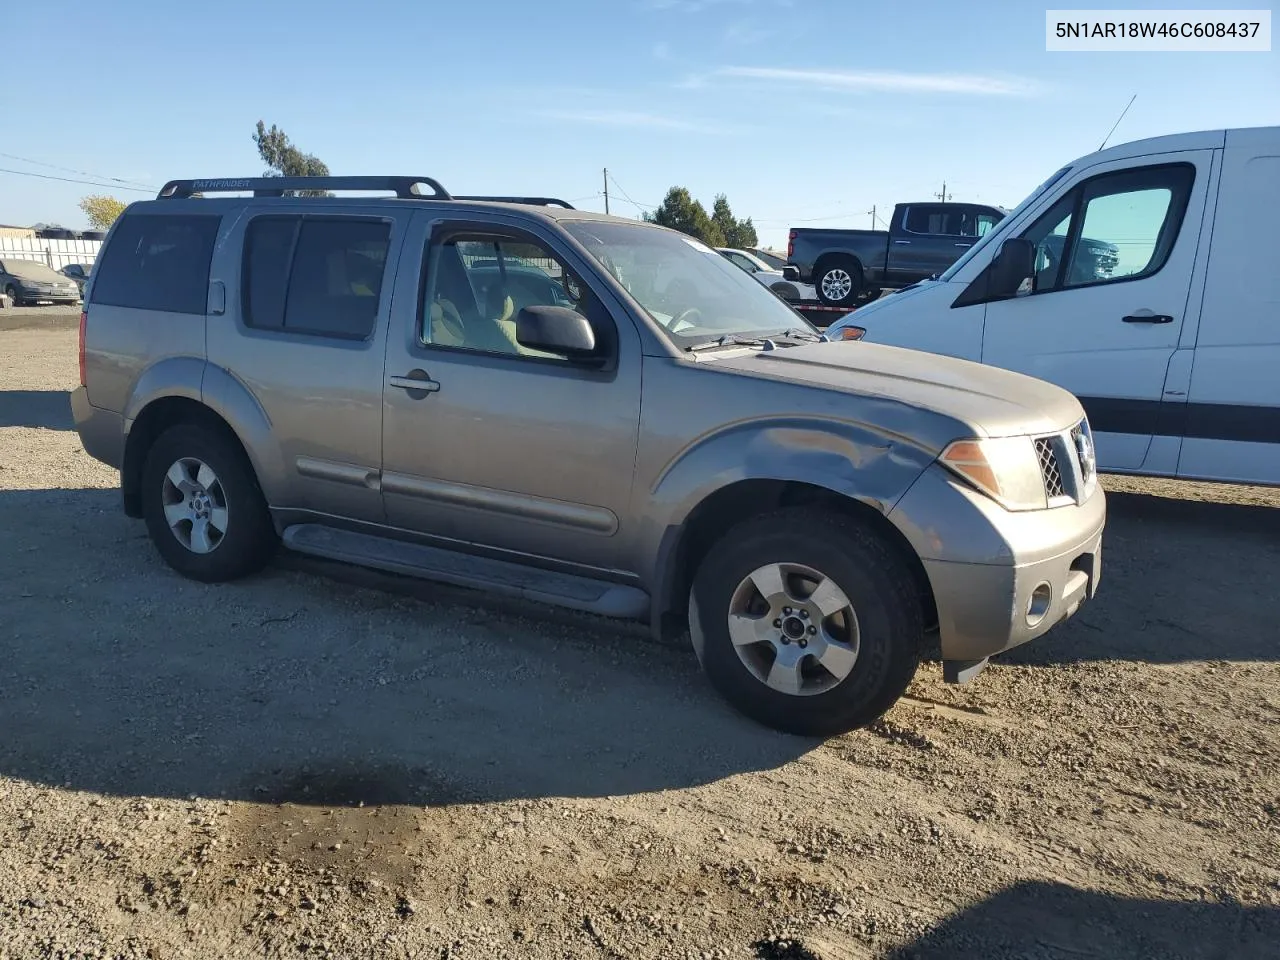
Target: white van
[1144, 278]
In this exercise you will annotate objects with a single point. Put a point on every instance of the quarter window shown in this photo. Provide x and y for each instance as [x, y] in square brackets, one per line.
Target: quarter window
[315, 275]
[158, 262]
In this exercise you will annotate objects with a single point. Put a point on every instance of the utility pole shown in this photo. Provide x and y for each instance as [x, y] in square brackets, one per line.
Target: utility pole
[943, 196]
[606, 191]
[873, 216]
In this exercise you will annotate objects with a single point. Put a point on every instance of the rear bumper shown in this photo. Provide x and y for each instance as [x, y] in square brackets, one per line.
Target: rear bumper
[1000, 579]
[101, 431]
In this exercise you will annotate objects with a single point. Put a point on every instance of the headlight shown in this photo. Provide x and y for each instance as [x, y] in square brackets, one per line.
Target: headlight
[1005, 469]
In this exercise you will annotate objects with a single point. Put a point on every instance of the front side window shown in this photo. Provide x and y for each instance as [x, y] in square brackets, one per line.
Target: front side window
[477, 284]
[158, 262]
[1117, 226]
[315, 275]
[687, 288]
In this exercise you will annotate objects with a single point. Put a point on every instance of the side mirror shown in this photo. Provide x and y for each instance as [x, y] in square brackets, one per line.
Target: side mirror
[790, 273]
[555, 330]
[1014, 263]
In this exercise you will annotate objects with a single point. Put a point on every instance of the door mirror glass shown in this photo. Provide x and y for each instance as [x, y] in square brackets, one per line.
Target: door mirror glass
[555, 329]
[1012, 265]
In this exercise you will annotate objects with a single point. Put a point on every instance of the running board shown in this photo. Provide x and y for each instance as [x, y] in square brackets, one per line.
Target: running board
[466, 570]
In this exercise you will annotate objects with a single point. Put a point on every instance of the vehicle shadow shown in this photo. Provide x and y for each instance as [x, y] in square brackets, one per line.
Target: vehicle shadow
[1182, 580]
[1052, 921]
[49, 409]
[120, 677]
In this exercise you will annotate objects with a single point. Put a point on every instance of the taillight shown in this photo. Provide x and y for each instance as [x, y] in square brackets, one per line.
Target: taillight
[84, 315]
[791, 244]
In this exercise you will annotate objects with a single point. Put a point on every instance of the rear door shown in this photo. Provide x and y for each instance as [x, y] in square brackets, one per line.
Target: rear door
[308, 293]
[931, 239]
[1103, 315]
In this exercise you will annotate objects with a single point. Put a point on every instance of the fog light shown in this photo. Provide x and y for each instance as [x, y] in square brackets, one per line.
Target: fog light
[1038, 605]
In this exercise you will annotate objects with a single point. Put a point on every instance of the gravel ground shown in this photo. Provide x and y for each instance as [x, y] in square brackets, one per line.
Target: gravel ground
[299, 765]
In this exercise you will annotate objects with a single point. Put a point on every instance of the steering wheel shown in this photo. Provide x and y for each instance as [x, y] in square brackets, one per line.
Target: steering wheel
[684, 316]
[445, 316]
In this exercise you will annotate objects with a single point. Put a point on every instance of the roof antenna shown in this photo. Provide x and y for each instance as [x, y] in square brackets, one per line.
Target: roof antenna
[1118, 119]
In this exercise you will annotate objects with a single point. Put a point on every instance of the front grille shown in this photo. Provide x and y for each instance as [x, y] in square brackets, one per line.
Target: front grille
[1050, 470]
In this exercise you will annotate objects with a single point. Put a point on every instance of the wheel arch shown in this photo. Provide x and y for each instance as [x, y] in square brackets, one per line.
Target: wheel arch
[684, 547]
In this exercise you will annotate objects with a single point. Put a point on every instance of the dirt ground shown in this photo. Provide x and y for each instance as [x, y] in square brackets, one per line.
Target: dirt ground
[333, 764]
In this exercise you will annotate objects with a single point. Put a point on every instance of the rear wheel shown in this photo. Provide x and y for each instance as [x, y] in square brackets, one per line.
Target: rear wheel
[806, 622]
[838, 282]
[203, 509]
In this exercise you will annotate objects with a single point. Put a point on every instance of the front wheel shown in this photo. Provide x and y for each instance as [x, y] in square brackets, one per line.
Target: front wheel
[806, 622]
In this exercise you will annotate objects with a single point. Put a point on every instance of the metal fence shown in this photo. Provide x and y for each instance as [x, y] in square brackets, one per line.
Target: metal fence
[54, 253]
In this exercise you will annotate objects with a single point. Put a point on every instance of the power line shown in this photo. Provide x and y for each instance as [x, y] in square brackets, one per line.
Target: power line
[83, 173]
[92, 183]
[627, 197]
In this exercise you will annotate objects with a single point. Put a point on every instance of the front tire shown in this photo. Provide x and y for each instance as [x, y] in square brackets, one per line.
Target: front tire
[202, 505]
[806, 622]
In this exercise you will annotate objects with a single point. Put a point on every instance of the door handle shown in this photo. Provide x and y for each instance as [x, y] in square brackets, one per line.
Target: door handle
[415, 381]
[966, 245]
[902, 241]
[1148, 318]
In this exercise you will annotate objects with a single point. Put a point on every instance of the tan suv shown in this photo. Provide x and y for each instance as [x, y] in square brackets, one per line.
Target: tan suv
[516, 396]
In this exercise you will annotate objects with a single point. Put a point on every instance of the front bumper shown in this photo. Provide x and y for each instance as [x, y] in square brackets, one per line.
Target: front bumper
[47, 296]
[999, 578]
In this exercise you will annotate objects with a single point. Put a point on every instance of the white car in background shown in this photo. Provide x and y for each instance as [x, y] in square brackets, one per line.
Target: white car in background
[790, 290]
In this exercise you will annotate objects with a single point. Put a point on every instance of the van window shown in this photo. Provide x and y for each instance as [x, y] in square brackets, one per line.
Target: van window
[1116, 226]
[314, 275]
[158, 262]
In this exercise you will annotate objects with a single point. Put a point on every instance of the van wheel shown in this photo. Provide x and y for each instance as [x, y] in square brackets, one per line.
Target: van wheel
[202, 505]
[838, 282]
[806, 622]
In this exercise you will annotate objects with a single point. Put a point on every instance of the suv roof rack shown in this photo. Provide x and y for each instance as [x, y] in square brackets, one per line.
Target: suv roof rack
[531, 201]
[408, 188]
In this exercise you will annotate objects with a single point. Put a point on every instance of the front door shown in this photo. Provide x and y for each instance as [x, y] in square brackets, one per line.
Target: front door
[1104, 312]
[508, 448]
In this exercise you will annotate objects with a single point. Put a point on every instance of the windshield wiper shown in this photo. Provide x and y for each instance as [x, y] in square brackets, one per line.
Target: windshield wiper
[728, 340]
[735, 340]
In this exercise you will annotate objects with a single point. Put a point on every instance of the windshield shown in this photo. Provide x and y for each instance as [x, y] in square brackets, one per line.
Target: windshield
[999, 229]
[31, 270]
[689, 289]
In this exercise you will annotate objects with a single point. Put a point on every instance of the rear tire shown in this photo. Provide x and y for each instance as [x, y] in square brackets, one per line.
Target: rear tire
[838, 282]
[202, 505]
[837, 669]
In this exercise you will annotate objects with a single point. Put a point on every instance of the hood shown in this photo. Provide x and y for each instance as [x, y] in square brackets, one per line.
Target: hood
[987, 401]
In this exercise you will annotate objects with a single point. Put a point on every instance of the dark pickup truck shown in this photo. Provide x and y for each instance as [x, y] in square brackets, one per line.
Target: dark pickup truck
[851, 266]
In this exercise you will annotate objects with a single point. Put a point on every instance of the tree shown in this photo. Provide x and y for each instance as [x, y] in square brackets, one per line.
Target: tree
[737, 233]
[283, 159]
[101, 210]
[680, 211]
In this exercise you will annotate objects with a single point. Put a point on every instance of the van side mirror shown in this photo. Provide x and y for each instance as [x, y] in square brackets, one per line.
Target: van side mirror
[790, 273]
[555, 330]
[1014, 263]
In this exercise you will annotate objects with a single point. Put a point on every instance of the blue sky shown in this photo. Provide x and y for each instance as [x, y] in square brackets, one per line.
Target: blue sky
[801, 111]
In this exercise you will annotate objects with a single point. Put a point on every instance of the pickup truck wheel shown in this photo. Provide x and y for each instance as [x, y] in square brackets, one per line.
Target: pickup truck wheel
[805, 622]
[838, 282]
[203, 509]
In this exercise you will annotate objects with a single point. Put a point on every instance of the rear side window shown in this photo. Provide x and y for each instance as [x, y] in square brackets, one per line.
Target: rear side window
[158, 262]
[314, 275]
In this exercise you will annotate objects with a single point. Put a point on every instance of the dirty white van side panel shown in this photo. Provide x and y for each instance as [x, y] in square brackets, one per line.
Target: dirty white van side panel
[1231, 423]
